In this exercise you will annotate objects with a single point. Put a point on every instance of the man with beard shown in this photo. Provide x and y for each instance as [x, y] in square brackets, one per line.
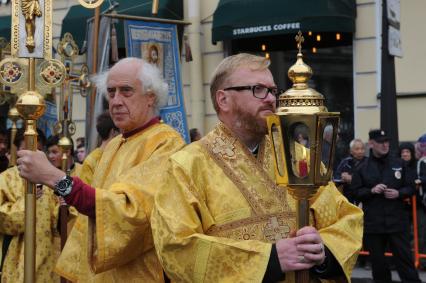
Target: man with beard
[220, 217]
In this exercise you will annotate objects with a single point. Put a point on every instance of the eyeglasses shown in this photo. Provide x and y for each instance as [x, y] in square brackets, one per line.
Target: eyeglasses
[259, 91]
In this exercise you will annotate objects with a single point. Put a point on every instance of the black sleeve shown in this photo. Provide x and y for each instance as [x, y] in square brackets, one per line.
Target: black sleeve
[337, 175]
[422, 173]
[329, 269]
[273, 270]
[408, 189]
[358, 189]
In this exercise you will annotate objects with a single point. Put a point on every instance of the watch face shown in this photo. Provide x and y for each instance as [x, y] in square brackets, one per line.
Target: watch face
[64, 186]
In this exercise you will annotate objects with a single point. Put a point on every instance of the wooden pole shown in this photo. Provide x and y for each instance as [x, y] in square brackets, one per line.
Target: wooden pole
[95, 38]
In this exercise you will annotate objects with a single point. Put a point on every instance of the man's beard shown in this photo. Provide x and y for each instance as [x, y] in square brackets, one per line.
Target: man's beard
[250, 123]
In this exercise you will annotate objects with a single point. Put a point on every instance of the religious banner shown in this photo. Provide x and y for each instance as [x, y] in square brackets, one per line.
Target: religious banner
[47, 122]
[157, 44]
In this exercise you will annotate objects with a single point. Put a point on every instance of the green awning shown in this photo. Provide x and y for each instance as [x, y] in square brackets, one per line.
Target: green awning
[235, 19]
[5, 23]
[76, 19]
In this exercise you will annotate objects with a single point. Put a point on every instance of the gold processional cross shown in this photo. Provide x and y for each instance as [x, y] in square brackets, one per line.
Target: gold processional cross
[299, 39]
[31, 72]
[65, 127]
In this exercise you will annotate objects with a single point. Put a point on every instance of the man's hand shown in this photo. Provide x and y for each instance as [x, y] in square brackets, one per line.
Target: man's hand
[62, 202]
[302, 251]
[391, 193]
[34, 166]
[346, 177]
[379, 189]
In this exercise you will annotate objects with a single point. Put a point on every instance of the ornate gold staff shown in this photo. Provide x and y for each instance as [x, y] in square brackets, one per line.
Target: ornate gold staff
[31, 39]
[31, 107]
[302, 166]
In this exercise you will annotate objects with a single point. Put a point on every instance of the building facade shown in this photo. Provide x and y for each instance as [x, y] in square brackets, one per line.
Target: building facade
[365, 74]
[348, 75]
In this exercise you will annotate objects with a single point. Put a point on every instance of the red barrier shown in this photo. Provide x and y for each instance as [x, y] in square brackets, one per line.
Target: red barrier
[417, 254]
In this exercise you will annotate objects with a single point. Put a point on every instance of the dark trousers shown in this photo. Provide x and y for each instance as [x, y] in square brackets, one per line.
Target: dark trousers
[399, 244]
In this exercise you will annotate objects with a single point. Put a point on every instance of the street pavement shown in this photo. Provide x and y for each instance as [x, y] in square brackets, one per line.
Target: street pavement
[361, 275]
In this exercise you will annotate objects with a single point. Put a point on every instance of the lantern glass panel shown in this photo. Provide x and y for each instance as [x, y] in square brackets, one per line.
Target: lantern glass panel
[279, 155]
[299, 150]
[326, 148]
[327, 143]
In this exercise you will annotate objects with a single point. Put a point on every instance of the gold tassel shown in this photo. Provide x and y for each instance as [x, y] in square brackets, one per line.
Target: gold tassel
[188, 52]
[114, 46]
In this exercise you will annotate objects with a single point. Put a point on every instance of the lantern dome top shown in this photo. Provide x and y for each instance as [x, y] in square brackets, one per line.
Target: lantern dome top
[300, 98]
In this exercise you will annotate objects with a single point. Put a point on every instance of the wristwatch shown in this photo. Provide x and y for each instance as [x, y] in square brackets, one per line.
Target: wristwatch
[63, 187]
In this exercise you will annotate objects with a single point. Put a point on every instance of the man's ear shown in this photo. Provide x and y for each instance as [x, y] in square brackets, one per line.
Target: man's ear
[151, 98]
[223, 100]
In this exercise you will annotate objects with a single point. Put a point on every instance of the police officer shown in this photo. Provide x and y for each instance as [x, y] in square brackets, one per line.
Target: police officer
[381, 186]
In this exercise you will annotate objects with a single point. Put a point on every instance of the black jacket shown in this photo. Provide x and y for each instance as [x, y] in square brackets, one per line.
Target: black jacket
[348, 165]
[383, 215]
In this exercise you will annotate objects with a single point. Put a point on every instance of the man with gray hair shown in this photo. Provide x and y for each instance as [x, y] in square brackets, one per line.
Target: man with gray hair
[348, 166]
[112, 240]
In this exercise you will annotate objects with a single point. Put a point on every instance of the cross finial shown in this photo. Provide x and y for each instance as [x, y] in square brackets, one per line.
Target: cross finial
[154, 9]
[299, 39]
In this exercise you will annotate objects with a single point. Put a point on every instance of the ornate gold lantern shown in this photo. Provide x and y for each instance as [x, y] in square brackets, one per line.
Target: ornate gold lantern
[303, 134]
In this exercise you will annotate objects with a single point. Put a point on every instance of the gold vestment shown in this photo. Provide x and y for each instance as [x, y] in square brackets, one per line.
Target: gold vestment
[219, 210]
[12, 212]
[117, 246]
[89, 165]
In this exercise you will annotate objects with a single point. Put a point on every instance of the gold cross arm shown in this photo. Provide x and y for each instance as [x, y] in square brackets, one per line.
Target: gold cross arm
[14, 73]
[299, 39]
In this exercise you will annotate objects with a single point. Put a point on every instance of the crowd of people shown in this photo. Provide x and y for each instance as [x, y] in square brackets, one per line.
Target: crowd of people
[382, 185]
[145, 207]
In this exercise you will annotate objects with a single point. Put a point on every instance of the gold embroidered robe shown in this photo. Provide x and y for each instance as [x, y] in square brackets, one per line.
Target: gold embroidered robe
[12, 212]
[89, 165]
[219, 210]
[117, 246]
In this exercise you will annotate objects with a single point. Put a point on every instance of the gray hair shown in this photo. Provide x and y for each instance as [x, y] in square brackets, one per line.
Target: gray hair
[354, 142]
[149, 76]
